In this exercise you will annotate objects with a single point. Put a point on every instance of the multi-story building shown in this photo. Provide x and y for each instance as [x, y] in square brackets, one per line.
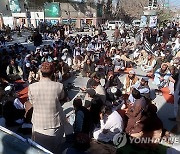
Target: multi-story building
[70, 13]
[19, 12]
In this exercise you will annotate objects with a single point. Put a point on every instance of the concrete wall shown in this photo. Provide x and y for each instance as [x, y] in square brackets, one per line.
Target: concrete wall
[35, 16]
[80, 11]
[74, 10]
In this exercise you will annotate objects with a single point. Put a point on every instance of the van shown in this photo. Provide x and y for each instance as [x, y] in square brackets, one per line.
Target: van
[112, 24]
[136, 23]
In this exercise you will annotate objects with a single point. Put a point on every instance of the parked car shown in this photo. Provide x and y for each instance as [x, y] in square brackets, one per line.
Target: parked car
[85, 28]
[136, 23]
[112, 24]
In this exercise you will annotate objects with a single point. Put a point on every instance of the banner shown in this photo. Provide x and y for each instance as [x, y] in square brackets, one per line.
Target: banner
[52, 10]
[8, 21]
[153, 21]
[99, 10]
[14, 6]
[143, 21]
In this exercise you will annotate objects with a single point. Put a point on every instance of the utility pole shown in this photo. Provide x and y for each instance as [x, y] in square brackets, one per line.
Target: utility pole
[28, 14]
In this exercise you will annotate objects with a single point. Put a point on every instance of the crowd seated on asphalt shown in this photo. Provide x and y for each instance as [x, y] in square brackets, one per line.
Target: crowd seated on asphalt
[111, 105]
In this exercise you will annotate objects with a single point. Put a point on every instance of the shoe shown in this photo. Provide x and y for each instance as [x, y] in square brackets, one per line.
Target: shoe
[172, 119]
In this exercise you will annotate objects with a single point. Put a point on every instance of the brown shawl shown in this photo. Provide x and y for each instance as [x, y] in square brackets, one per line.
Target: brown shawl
[135, 79]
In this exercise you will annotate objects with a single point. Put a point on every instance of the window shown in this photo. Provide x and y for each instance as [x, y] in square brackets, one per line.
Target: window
[111, 22]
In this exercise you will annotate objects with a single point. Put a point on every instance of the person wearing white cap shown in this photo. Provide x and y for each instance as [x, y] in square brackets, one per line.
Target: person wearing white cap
[64, 50]
[113, 50]
[148, 64]
[46, 57]
[161, 76]
[119, 64]
[130, 80]
[142, 87]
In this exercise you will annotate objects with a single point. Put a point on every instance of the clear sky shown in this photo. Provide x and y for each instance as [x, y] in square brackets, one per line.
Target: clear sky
[174, 3]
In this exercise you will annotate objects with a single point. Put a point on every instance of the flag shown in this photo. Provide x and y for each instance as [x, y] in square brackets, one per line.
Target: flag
[147, 46]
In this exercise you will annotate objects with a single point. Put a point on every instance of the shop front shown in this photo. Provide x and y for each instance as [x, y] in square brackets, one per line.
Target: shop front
[20, 19]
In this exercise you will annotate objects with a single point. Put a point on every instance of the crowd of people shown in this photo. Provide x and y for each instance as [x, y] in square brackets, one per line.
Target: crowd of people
[110, 105]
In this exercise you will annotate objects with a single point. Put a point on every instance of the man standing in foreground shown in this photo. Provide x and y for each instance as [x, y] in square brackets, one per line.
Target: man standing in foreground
[48, 116]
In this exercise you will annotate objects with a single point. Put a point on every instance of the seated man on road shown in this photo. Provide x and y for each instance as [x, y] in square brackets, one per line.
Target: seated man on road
[94, 104]
[77, 62]
[14, 72]
[112, 80]
[142, 87]
[148, 64]
[161, 76]
[63, 71]
[100, 91]
[82, 122]
[161, 60]
[108, 65]
[141, 119]
[88, 68]
[130, 80]
[110, 127]
[119, 64]
[129, 63]
[135, 112]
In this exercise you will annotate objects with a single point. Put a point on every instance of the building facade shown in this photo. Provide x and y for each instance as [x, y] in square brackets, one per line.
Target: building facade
[75, 13]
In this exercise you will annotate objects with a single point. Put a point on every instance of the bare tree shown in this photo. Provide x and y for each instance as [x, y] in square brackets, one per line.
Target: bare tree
[108, 9]
[130, 8]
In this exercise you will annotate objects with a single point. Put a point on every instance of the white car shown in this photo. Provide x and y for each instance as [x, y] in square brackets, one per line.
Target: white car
[136, 23]
[112, 24]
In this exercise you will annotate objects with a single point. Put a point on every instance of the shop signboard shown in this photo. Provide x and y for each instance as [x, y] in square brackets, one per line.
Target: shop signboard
[153, 21]
[99, 10]
[52, 10]
[14, 6]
